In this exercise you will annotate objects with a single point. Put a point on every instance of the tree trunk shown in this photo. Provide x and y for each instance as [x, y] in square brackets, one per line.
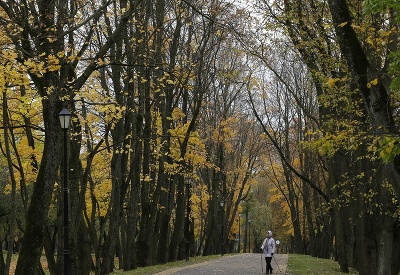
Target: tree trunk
[2, 265]
[210, 232]
[31, 251]
[130, 259]
[378, 108]
[178, 233]
[12, 216]
[115, 211]
[396, 251]
[49, 248]
[337, 167]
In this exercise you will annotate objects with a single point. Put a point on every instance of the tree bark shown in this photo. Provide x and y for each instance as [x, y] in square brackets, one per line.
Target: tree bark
[29, 257]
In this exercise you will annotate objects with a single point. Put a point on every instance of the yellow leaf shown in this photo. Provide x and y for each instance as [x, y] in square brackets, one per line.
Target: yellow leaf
[343, 24]
[372, 83]
[177, 113]
[331, 82]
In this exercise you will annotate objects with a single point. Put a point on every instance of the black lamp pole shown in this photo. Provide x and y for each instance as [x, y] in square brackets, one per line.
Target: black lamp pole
[65, 119]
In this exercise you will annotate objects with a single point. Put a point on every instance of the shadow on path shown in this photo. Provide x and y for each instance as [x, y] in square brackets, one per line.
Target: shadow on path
[239, 264]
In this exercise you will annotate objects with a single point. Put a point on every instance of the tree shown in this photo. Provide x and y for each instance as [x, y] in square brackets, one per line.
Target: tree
[360, 71]
[44, 36]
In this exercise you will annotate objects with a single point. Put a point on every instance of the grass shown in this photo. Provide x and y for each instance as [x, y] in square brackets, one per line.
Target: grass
[149, 270]
[305, 264]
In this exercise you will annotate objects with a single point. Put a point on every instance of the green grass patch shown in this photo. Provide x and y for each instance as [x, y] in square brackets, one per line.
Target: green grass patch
[149, 270]
[305, 264]
[158, 268]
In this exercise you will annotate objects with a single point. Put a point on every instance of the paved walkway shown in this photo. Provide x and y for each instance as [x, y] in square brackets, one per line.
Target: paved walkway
[239, 264]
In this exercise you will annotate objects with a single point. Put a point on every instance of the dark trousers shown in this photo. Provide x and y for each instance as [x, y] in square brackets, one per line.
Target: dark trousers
[268, 270]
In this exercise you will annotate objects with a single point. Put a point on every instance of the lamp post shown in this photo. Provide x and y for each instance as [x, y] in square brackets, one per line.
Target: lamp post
[239, 234]
[65, 119]
[249, 237]
[222, 226]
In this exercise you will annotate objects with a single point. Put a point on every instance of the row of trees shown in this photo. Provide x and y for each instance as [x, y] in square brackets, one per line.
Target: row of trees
[338, 145]
[284, 110]
[156, 92]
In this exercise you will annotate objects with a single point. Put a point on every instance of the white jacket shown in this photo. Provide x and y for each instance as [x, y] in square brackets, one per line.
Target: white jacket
[268, 247]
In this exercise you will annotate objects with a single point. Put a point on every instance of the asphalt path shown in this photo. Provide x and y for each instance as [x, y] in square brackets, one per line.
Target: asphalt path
[238, 264]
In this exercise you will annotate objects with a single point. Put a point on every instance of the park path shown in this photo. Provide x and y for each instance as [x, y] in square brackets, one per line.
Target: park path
[238, 264]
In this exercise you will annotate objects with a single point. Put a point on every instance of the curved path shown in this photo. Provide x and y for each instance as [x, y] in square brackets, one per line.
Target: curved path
[239, 264]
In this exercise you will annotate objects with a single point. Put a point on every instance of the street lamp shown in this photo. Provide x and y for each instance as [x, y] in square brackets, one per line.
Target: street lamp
[65, 119]
[221, 202]
[239, 233]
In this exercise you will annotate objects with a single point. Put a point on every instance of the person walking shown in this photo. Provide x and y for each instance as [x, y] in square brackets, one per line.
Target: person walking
[268, 248]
